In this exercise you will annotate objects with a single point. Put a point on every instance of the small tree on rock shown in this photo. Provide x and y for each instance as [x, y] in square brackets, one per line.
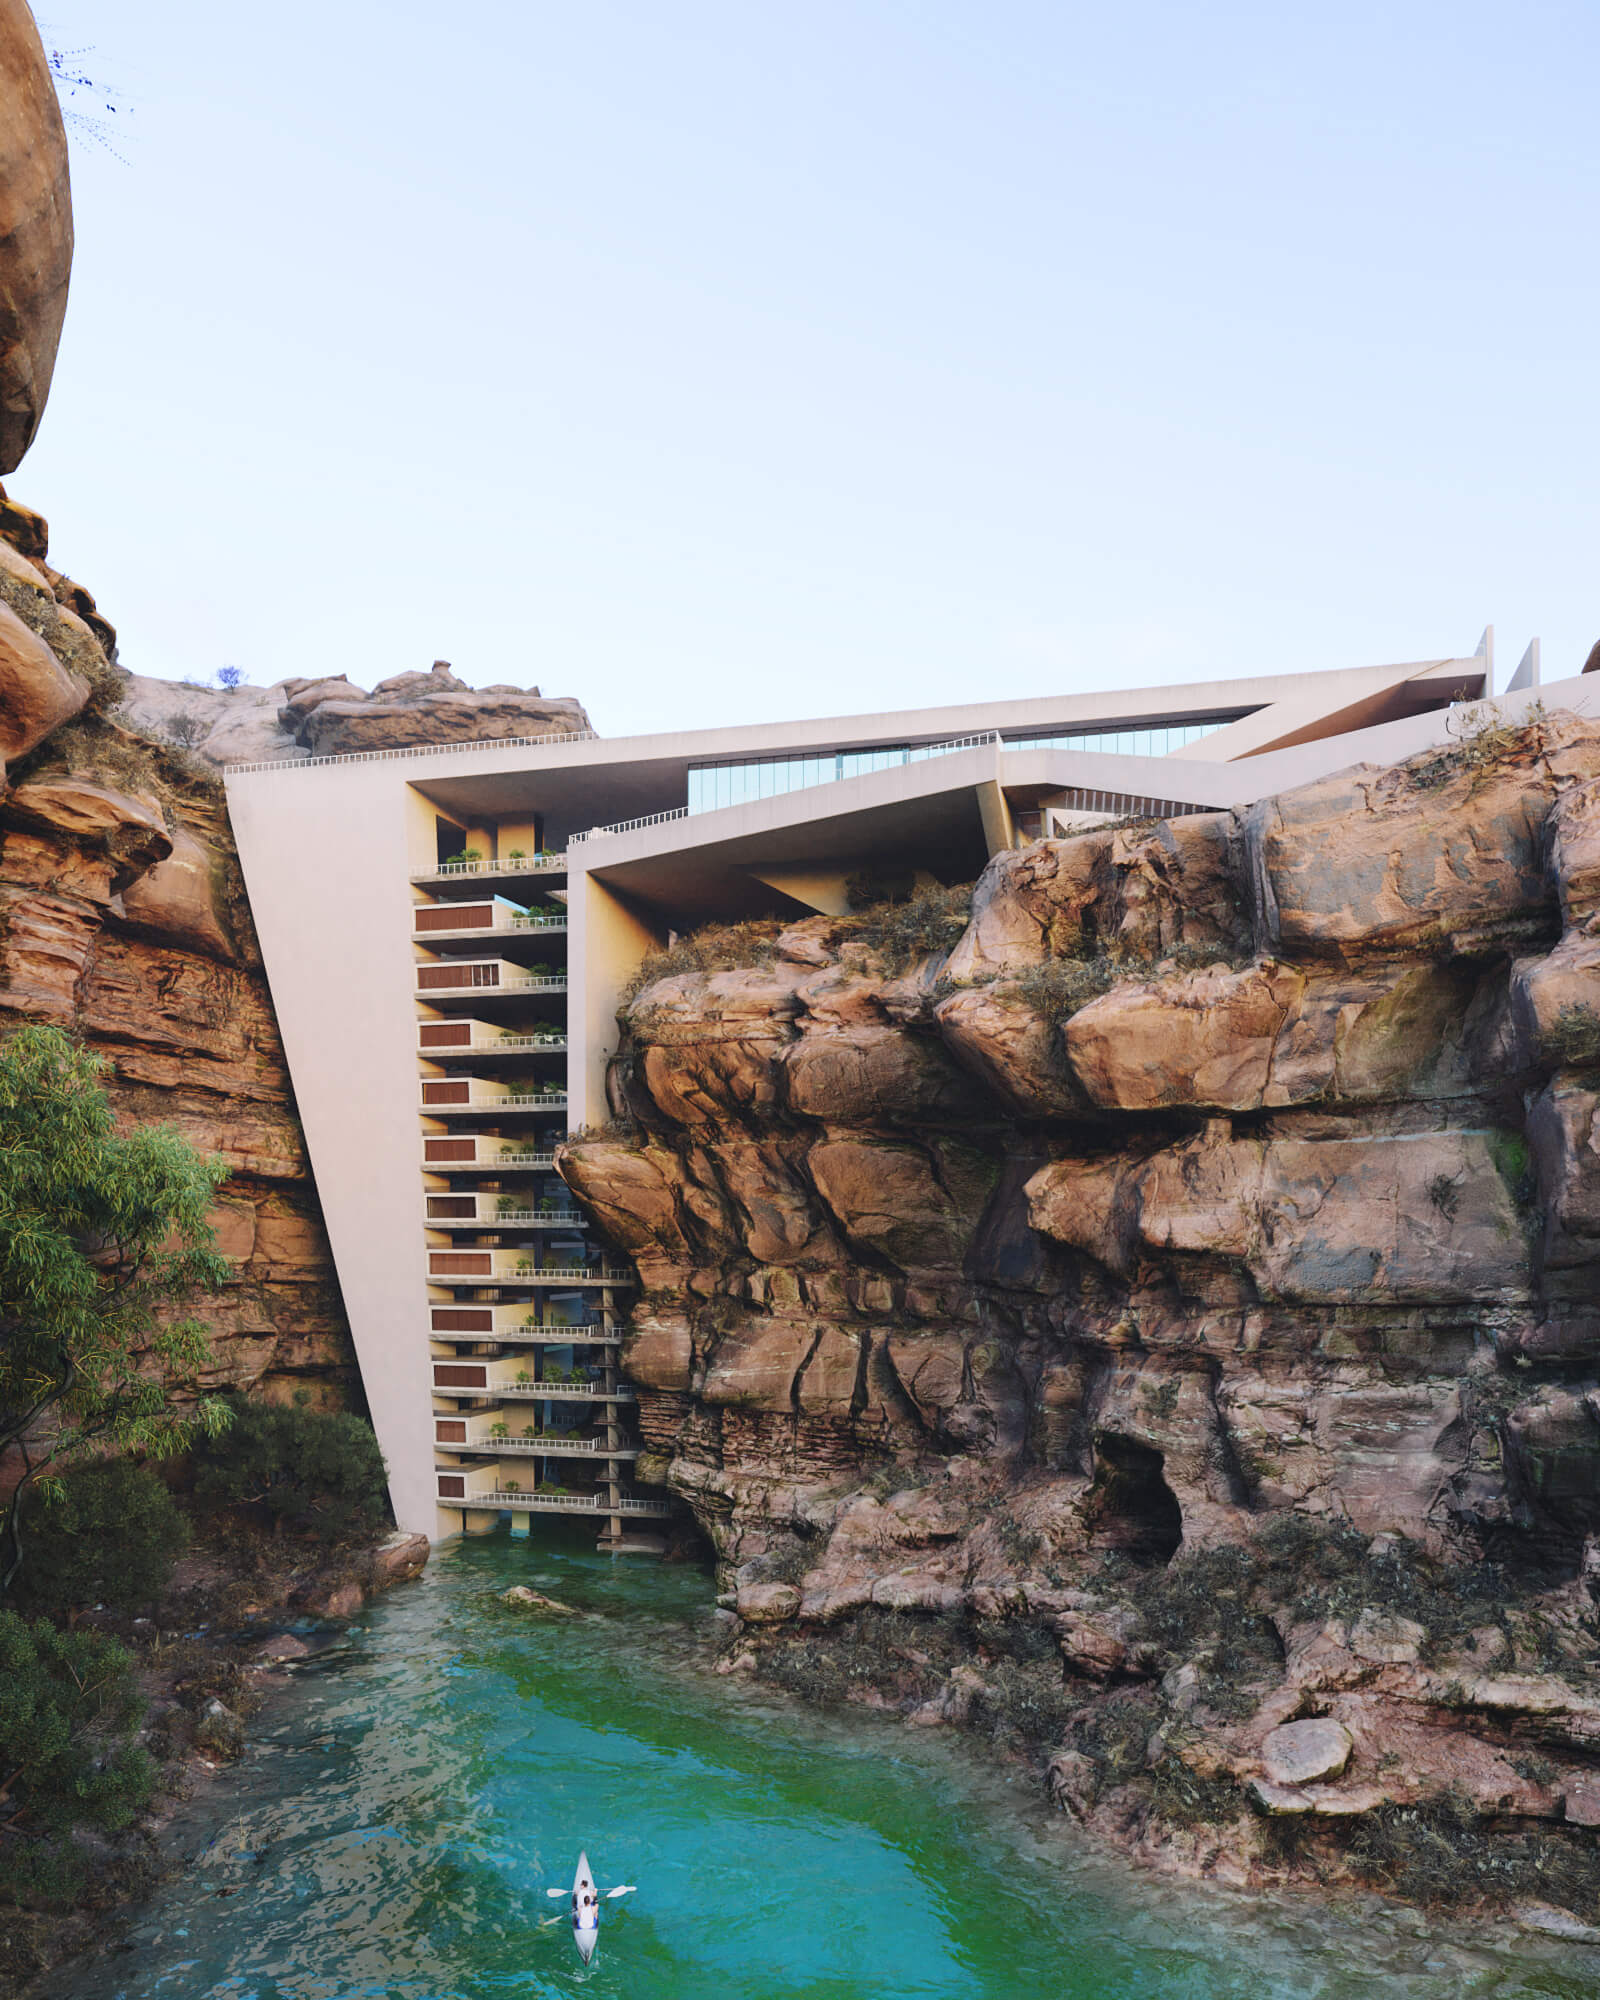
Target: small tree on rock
[319, 1472]
[103, 1242]
[109, 1536]
[68, 1704]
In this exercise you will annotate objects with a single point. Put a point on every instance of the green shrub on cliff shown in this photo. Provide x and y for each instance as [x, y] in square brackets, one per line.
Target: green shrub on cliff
[103, 1242]
[318, 1472]
[107, 1535]
[68, 1707]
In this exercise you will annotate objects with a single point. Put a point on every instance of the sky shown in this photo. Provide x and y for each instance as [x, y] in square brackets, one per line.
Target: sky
[719, 363]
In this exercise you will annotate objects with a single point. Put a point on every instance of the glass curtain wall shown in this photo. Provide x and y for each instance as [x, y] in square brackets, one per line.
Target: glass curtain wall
[714, 785]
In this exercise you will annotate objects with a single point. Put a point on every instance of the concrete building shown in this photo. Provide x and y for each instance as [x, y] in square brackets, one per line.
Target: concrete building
[446, 1019]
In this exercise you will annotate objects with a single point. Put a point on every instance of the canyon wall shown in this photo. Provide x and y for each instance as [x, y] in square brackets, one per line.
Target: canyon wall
[123, 919]
[1153, 1319]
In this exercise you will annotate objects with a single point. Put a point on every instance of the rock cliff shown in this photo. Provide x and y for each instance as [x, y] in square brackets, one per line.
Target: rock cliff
[327, 716]
[123, 918]
[1151, 1317]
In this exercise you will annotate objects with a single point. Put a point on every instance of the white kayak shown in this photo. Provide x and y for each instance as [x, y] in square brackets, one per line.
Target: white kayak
[586, 1900]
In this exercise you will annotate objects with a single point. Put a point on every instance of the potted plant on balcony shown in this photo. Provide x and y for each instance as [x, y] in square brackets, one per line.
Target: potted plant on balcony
[510, 1486]
[516, 856]
[523, 1376]
[499, 1430]
[530, 1430]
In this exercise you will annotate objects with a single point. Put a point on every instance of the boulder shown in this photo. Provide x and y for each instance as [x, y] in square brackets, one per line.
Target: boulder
[768, 1603]
[1374, 861]
[1298, 1753]
[1013, 1049]
[336, 728]
[35, 230]
[37, 693]
[178, 899]
[398, 1558]
[129, 826]
[534, 1604]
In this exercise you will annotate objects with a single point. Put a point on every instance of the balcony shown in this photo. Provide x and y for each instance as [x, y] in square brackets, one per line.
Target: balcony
[507, 866]
[443, 1095]
[485, 1151]
[496, 1434]
[441, 981]
[436, 924]
[478, 1486]
[500, 1211]
[518, 1324]
[515, 1267]
[511, 1379]
[463, 1036]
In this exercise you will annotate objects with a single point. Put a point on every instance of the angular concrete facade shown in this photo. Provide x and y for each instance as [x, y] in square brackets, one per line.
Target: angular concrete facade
[446, 1021]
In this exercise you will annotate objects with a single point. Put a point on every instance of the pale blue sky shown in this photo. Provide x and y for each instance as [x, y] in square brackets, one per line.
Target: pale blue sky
[714, 362]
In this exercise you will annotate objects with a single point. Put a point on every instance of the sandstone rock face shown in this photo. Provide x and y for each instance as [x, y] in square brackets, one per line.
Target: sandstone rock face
[35, 230]
[329, 716]
[1195, 1267]
[122, 917]
[37, 693]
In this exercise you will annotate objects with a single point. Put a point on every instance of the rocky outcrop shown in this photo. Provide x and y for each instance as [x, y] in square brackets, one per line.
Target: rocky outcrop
[123, 918]
[328, 716]
[35, 230]
[1160, 1331]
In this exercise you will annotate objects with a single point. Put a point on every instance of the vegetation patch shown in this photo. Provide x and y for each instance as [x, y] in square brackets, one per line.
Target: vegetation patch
[1573, 1038]
[317, 1472]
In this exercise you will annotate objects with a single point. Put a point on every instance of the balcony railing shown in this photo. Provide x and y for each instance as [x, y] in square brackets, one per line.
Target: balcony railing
[479, 1321]
[555, 1503]
[504, 1267]
[544, 1392]
[528, 864]
[483, 978]
[551, 1444]
[492, 1044]
[443, 1155]
[435, 1102]
[508, 1218]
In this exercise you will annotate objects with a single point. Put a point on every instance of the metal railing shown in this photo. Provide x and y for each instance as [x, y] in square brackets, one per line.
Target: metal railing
[480, 744]
[553, 1100]
[501, 927]
[555, 1503]
[501, 1045]
[480, 983]
[516, 1218]
[551, 1444]
[545, 1333]
[530, 1274]
[628, 825]
[532, 1162]
[546, 1392]
[530, 864]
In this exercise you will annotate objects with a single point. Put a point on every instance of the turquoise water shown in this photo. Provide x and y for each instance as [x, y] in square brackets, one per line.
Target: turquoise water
[415, 1790]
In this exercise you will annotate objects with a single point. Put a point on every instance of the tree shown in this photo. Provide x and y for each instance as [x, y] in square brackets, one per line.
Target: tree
[109, 1536]
[103, 1242]
[68, 1704]
[230, 677]
[319, 1471]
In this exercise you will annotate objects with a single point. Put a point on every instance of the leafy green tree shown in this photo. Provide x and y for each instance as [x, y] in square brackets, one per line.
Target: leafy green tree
[68, 1706]
[109, 1536]
[103, 1242]
[318, 1471]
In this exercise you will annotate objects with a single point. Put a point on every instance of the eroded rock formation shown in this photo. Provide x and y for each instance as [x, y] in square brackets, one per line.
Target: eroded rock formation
[123, 918]
[327, 716]
[35, 230]
[1163, 1327]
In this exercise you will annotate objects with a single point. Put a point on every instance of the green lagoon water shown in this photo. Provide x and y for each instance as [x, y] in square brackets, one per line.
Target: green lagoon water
[413, 1791]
